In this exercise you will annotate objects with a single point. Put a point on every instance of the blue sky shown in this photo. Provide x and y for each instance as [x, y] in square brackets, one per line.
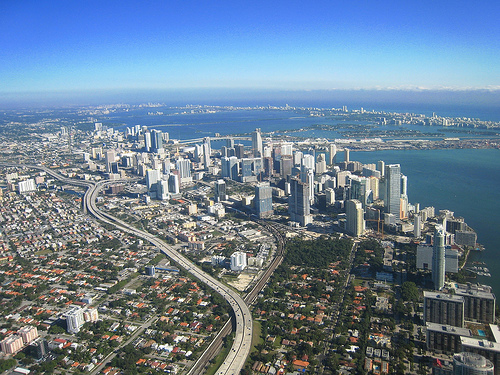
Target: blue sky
[280, 45]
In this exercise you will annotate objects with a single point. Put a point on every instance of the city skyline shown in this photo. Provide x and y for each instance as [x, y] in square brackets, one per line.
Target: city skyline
[65, 47]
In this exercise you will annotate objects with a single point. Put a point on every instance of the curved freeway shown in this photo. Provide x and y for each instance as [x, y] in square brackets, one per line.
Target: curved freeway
[241, 322]
[240, 349]
[242, 318]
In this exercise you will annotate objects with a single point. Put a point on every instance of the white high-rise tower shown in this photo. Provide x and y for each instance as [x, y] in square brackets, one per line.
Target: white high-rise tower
[438, 258]
[257, 143]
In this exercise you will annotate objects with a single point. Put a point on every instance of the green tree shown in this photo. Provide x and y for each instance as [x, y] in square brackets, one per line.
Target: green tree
[409, 291]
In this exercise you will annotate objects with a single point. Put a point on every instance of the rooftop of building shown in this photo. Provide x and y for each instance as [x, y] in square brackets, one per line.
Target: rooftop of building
[448, 329]
[443, 296]
[480, 344]
[475, 290]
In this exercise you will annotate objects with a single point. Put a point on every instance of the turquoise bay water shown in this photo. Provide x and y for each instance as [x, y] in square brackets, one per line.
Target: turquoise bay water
[465, 181]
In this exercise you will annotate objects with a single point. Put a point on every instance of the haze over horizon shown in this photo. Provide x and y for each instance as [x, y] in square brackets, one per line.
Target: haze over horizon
[61, 49]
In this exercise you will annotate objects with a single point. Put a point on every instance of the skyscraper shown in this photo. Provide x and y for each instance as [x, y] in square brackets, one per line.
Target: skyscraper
[381, 167]
[109, 158]
[392, 199]
[263, 200]
[257, 143]
[308, 161]
[156, 141]
[286, 164]
[354, 215]
[152, 177]
[220, 191]
[207, 151]
[173, 183]
[184, 168]
[239, 150]
[438, 258]
[307, 176]
[147, 141]
[417, 226]
[321, 164]
[230, 167]
[346, 155]
[246, 168]
[330, 196]
[298, 202]
[359, 188]
[332, 150]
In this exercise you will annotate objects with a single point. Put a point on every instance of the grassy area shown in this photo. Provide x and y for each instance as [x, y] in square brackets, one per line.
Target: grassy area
[44, 252]
[157, 259]
[256, 335]
[357, 282]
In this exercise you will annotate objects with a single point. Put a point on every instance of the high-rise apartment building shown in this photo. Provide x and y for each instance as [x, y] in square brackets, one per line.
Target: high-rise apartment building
[207, 151]
[238, 261]
[479, 302]
[354, 215]
[11, 344]
[152, 177]
[444, 309]
[445, 338]
[28, 333]
[307, 177]
[321, 164]
[26, 186]
[488, 349]
[392, 198]
[74, 319]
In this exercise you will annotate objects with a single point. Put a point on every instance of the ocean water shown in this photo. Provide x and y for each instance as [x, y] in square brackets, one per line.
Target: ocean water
[465, 181]
[198, 125]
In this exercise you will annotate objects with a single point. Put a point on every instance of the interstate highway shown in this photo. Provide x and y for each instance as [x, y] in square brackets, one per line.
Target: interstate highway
[240, 349]
[243, 323]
